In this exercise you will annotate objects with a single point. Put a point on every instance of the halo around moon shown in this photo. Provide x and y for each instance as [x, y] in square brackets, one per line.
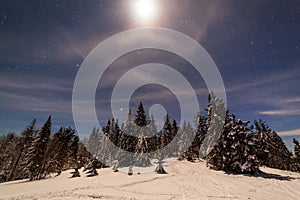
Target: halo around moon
[145, 11]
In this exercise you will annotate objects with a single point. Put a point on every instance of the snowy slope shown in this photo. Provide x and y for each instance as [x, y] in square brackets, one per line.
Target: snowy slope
[184, 180]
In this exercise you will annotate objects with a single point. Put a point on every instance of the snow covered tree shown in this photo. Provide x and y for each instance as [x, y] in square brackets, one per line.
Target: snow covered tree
[130, 171]
[174, 132]
[115, 167]
[140, 130]
[36, 156]
[193, 151]
[56, 153]
[184, 134]
[94, 165]
[27, 137]
[114, 137]
[166, 136]
[103, 151]
[233, 153]
[152, 140]
[8, 155]
[127, 140]
[296, 149]
[127, 143]
[270, 149]
[84, 156]
[24, 141]
[59, 151]
[216, 112]
[75, 173]
[160, 168]
[141, 158]
[94, 141]
[110, 134]
[140, 118]
[296, 158]
[73, 145]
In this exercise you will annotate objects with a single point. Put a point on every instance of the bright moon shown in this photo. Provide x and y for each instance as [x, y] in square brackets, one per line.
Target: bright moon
[145, 10]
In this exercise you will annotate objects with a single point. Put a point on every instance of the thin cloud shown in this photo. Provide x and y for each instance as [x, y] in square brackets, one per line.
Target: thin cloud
[270, 78]
[280, 112]
[293, 100]
[289, 133]
[29, 103]
[34, 84]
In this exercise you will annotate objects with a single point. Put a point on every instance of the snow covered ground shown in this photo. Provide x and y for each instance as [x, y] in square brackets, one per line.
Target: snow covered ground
[184, 180]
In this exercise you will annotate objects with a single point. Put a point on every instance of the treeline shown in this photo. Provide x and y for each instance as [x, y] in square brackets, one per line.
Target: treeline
[233, 144]
[34, 154]
[225, 142]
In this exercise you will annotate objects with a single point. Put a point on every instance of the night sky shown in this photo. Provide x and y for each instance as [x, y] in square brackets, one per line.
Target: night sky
[256, 46]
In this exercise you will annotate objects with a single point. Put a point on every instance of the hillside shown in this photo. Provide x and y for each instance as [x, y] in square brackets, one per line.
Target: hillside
[184, 180]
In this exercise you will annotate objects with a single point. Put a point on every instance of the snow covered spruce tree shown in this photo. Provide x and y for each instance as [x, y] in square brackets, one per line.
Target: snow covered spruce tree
[174, 145]
[36, 156]
[93, 141]
[160, 169]
[296, 157]
[141, 158]
[8, 147]
[163, 139]
[99, 144]
[93, 166]
[184, 131]
[55, 153]
[60, 153]
[74, 156]
[233, 152]
[115, 139]
[127, 142]
[111, 133]
[152, 139]
[296, 149]
[270, 149]
[142, 145]
[84, 156]
[25, 139]
[193, 151]
[216, 112]
[140, 117]
[166, 136]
